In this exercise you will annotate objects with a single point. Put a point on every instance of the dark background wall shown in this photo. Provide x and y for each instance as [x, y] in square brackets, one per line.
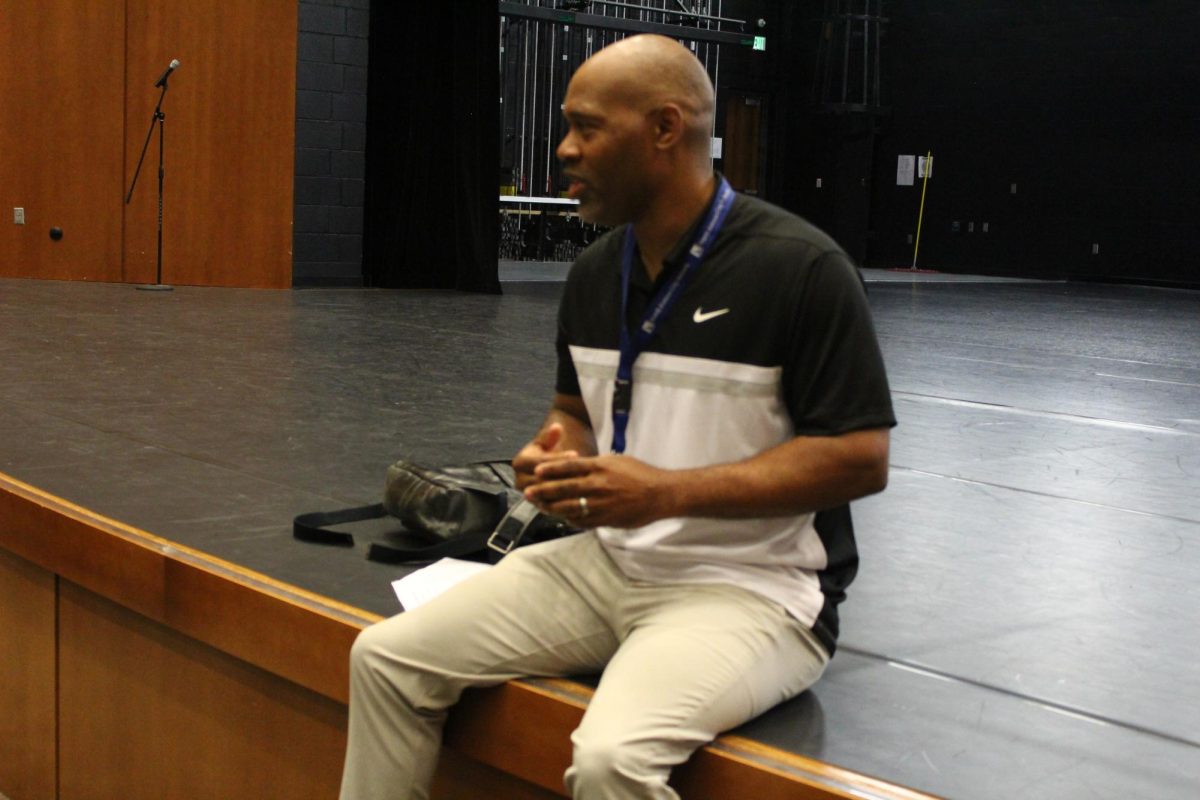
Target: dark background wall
[331, 117]
[1091, 107]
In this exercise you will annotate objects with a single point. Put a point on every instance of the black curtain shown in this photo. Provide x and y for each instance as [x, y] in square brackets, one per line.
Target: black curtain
[431, 208]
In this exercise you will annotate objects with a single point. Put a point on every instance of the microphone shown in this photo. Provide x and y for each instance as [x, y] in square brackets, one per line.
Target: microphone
[170, 68]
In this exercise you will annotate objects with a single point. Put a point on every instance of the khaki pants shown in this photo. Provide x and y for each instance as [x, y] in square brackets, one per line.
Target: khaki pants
[681, 664]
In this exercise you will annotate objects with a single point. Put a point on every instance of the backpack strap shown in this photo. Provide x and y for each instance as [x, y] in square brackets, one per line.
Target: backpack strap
[314, 527]
[461, 546]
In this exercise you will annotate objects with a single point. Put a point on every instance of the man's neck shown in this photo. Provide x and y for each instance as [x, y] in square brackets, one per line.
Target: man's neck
[659, 230]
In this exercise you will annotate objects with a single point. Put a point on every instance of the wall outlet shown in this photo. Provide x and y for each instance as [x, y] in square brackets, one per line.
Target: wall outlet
[1095, 248]
[970, 227]
[985, 227]
[18, 216]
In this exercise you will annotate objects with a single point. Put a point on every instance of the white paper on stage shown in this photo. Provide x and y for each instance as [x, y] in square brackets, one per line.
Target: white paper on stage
[420, 586]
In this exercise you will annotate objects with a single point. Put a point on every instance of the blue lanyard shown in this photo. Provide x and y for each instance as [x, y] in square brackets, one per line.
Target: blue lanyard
[660, 306]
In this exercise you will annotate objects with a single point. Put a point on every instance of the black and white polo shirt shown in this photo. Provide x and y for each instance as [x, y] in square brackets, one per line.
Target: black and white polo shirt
[771, 339]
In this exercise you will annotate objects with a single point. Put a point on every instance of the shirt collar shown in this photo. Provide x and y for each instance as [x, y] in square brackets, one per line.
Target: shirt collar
[678, 253]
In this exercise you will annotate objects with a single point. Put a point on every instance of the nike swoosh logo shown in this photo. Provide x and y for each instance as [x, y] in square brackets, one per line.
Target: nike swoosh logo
[705, 316]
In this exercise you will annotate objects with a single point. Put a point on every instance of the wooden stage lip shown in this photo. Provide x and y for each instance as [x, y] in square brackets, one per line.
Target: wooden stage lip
[292, 633]
[304, 639]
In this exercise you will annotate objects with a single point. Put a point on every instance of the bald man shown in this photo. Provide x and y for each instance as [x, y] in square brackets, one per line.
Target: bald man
[720, 399]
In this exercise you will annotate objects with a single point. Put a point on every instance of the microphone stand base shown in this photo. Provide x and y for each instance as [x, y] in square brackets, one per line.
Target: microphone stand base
[155, 287]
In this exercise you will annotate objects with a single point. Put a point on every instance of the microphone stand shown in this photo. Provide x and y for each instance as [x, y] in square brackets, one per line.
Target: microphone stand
[156, 117]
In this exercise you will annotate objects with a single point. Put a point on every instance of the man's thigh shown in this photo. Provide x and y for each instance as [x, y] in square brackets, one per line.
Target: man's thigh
[540, 611]
[698, 661]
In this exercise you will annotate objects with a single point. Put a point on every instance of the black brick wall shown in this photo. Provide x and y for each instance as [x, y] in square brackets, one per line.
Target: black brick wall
[331, 116]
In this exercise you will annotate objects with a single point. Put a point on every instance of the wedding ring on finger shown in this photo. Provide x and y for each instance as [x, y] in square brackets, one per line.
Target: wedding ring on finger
[583, 509]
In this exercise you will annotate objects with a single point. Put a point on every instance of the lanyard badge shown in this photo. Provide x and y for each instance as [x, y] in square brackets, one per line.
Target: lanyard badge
[660, 306]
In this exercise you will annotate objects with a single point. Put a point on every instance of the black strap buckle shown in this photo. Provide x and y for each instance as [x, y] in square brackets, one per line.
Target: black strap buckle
[511, 529]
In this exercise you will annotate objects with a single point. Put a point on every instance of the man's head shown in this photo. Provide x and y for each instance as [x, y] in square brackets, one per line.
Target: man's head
[640, 117]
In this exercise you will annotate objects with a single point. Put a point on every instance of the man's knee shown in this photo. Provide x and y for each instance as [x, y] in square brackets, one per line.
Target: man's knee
[377, 658]
[366, 649]
[607, 762]
[384, 667]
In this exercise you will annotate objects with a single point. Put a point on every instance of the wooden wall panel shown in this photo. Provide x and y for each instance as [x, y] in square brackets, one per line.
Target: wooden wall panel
[462, 778]
[77, 93]
[297, 635]
[61, 131]
[230, 133]
[147, 713]
[27, 609]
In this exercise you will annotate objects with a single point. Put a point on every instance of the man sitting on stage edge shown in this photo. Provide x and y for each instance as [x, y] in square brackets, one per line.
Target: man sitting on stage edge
[720, 399]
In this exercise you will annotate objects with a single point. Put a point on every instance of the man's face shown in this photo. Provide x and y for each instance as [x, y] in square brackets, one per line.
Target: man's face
[604, 153]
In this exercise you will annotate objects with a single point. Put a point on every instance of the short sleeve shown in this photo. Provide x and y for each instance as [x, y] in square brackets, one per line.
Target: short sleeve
[834, 379]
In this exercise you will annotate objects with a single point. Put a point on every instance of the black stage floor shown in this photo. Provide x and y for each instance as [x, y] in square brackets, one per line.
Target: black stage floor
[1025, 620]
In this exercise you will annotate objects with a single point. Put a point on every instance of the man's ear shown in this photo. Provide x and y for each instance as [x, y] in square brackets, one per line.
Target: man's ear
[668, 126]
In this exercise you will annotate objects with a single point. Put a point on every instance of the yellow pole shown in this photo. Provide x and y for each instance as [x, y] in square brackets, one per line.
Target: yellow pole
[921, 214]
